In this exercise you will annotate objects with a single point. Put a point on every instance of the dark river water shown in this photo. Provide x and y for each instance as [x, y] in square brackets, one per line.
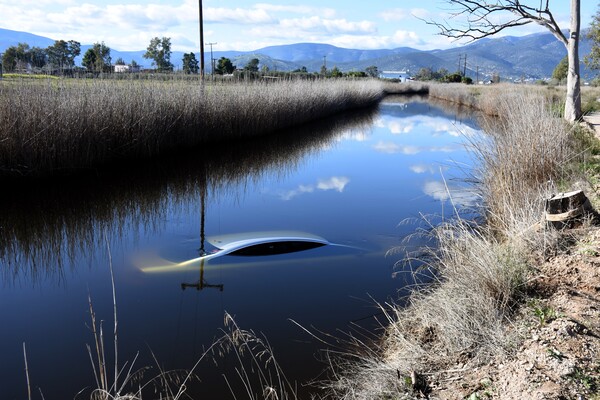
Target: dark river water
[351, 180]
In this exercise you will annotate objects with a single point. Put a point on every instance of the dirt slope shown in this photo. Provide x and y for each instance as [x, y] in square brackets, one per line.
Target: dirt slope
[558, 356]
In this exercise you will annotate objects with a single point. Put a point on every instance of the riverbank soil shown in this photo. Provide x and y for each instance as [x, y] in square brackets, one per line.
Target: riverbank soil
[558, 356]
[593, 121]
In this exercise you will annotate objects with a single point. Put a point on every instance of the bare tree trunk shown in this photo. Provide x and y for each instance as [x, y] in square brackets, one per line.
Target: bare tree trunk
[573, 101]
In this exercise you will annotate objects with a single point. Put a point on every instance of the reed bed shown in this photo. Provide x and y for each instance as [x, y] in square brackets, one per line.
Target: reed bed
[464, 317]
[49, 127]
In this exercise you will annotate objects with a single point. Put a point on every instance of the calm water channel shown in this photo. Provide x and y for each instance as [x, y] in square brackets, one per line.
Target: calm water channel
[351, 180]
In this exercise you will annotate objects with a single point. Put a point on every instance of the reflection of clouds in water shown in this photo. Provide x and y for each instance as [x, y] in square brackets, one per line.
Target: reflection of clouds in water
[459, 195]
[463, 130]
[431, 168]
[396, 127]
[436, 125]
[337, 183]
[393, 148]
[422, 168]
[355, 135]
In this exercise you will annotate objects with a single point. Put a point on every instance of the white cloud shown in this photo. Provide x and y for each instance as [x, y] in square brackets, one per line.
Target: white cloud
[297, 9]
[407, 38]
[316, 23]
[237, 16]
[399, 14]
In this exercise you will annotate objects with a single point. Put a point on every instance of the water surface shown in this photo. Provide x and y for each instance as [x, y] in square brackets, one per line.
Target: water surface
[350, 180]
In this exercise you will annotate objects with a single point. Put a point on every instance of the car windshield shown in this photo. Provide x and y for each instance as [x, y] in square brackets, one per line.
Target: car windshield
[272, 248]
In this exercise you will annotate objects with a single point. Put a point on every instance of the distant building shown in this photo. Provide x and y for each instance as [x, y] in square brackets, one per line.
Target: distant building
[126, 68]
[402, 76]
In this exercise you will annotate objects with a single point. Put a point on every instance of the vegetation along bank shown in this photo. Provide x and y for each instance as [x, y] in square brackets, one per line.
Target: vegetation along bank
[50, 126]
[513, 310]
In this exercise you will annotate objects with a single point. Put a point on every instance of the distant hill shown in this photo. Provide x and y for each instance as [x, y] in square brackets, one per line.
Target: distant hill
[530, 57]
[12, 38]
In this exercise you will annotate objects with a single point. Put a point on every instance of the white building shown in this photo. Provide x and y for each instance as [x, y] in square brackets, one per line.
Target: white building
[402, 76]
[127, 68]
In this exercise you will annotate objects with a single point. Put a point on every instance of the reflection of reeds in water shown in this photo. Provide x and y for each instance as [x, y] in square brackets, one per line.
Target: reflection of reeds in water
[69, 125]
[46, 223]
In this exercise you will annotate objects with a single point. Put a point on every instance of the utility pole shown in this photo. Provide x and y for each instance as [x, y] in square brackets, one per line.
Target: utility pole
[477, 81]
[201, 39]
[212, 60]
[459, 62]
[465, 70]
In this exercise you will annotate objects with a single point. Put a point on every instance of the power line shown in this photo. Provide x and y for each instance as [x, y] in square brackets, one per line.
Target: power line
[212, 60]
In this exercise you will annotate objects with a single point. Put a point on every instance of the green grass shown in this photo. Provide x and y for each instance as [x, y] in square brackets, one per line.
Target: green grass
[590, 100]
[12, 76]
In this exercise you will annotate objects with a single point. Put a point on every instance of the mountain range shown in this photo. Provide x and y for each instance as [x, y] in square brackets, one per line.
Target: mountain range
[525, 57]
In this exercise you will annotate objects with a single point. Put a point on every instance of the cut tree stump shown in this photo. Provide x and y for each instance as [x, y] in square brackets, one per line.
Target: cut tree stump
[563, 209]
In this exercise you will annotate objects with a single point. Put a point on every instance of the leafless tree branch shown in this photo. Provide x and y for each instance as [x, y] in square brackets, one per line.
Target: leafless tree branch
[478, 18]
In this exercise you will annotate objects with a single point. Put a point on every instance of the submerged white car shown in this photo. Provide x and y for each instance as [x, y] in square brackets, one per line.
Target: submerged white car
[252, 244]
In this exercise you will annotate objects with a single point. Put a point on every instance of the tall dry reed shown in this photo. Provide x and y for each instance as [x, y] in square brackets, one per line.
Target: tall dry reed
[464, 315]
[57, 125]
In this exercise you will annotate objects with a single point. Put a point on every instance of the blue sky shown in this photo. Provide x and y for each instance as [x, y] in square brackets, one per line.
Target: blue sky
[248, 25]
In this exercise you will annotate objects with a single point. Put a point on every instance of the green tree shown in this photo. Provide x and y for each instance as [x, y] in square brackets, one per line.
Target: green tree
[23, 56]
[357, 74]
[120, 61]
[592, 60]
[159, 51]
[372, 71]
[224, 66]
[560, 72]
[9, 59]
[37, 57]
[440, 74]
[62, 54]
[424, 74]
[190, 63]
[16, 57]
[252, 65]
[89, 60]
[97, 58]
[456, 77]
[336, 73]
